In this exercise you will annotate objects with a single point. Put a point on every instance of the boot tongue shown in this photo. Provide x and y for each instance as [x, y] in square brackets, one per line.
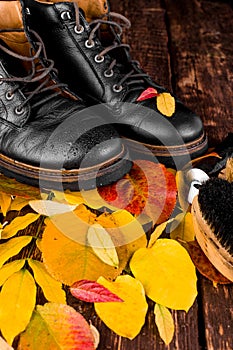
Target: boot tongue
[11, 27]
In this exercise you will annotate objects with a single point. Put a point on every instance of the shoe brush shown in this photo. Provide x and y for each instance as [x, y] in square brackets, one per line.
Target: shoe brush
[212, 211]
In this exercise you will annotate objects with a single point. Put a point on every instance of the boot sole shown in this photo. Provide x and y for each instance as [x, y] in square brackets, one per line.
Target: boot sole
[169, 155]
[75, 179]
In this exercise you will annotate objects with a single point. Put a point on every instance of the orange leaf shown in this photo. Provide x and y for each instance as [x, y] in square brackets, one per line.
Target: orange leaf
[93, 292]
[148, 93]
[57, 326]
[202, 263]
[148, 189]
[166, 104]
[14, 188]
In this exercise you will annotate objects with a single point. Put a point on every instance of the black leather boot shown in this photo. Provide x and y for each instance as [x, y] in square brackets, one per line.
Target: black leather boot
[47, 136]
[102, 71]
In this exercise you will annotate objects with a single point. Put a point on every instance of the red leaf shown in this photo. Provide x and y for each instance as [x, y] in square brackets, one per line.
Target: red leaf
[93, 292]
[148, 93]
[149, 188]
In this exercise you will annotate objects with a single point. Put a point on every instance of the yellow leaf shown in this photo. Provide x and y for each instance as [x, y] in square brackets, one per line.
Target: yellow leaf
[69, 261]
[126, 318]
[183, 189]
[166, 104]
[12, 247]
[7, 270]
[5, 202]
[102, 244]
[50, 208]
[132, 233]
[17, 301]
[52, 289]
[17, 224]
[164, 322]
[185, 230]
[167, 274]
[18, 203]
[157, 232]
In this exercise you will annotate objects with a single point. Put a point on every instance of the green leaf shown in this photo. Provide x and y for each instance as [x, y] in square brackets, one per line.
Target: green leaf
[52, 289]
[9, 269]
[58, 327]
[164, 322]
[13, 247]
[17, 224]
[17, 301]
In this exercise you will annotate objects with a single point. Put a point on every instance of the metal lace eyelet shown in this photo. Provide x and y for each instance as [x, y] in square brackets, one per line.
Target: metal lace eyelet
[99, 59]
[79, 30]
[1, 77]
[108, 73]
[19, 110]
[9, 95]
[117, 88]
[89, 44]
[65, 15]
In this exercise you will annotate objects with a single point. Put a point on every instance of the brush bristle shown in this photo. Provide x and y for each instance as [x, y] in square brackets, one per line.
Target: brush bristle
[216, 204]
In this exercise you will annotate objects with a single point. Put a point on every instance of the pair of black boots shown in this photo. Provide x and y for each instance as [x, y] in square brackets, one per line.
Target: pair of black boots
[51, 58]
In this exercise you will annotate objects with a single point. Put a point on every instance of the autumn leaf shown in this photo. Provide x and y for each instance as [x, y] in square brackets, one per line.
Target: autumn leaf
[148, 189]
[12, 247]
[9, 269]
[185, 229]
[18, 203]
[101, 243]
[148, 93]
[4, 345]
[17, 224]
[132, 233]
[166, 104]
[183, 190]
[17, 301]
[203, 264]
[5, 202]
[96, 335]
[56, 326]
[93, 292]
[69, 261]
[52, 289]
[164, 322]
[14, 188]
[127, 318]
[158, 232]
[167, 274]
[50, 208]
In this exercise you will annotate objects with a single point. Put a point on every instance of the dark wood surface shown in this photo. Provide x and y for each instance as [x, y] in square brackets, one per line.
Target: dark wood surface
[186, 46]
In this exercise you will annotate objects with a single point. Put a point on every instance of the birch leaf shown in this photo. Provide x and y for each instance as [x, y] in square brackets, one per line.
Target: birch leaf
[93, 292]
[58, 327]
[185, 230]
[102, 244]
[50, 208]
[166, 104]
[18, 203]
[14, 188]
[5, 202]
[52, 289]
[18, 224]
[9, 269]
[127, 318]
[167, 274]
[12, 247]
[17, 301]
[4, 345]
[164, 322]
[69, 261]
[158, 232]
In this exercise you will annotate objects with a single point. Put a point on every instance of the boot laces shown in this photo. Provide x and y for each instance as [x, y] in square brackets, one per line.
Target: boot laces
[41, 72]
[135, 75]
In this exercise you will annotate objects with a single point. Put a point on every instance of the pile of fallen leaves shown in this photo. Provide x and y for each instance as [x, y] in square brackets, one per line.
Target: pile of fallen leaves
[114, 247]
